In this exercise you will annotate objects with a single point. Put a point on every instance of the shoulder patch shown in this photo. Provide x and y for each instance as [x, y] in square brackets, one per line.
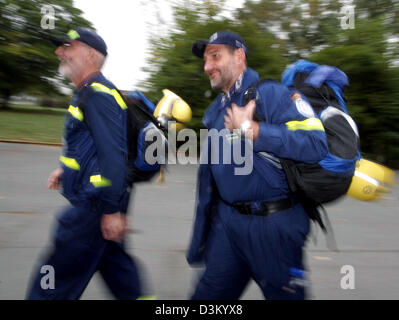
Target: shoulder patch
[302, 106]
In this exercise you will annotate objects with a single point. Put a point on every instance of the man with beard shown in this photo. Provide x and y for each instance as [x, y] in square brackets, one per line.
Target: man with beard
[89, 234]
[250, 225]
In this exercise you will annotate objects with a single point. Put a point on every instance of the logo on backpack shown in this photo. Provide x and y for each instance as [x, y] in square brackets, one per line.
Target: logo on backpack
[302, 106]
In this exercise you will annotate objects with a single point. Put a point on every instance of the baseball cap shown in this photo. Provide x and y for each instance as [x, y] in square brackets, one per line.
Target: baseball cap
[222, 37]
[87, 36]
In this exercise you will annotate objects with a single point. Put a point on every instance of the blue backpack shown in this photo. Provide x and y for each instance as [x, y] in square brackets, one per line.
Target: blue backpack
[330, 179]
[142, 128]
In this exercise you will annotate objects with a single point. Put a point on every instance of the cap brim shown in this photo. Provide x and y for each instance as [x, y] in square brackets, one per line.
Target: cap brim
[198, 48]
[59, 41]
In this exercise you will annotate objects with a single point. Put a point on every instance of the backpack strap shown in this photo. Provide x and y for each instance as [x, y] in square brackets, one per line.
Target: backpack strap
[251, 94]
[139, 105]
[122, 100]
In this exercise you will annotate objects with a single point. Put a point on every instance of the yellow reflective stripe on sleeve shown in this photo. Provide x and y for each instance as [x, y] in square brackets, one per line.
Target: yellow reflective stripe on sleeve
[119, 99]
[308, 124]
[98, 181]
[76, 112]
[70, 163]
[101, 88]
[147, 298]
[113, 92]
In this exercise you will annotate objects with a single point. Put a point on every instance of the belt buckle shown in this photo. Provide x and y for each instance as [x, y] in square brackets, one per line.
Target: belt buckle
[247, 209]
[244, 208]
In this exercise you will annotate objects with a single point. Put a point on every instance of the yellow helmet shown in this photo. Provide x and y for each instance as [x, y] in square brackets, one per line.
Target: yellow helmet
[370, 181]
[172, 108]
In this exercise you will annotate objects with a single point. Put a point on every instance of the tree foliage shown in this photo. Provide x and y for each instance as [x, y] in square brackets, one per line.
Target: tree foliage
[372, 96]
[278, 32]
[173, 66]
[27, 59]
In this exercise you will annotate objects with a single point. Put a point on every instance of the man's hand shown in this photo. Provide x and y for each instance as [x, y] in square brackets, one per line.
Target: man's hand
[113, 226]
[237, 115]
[54, 179]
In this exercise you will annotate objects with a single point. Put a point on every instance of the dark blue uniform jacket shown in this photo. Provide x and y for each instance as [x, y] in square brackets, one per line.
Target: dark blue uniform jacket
[95, 150]
[289, 130]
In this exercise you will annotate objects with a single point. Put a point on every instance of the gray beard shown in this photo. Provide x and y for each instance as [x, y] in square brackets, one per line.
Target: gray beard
[224, 81]
[65, 70]
[216, 86]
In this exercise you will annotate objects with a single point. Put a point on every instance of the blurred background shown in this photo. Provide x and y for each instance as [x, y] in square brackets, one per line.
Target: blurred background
[150, 49]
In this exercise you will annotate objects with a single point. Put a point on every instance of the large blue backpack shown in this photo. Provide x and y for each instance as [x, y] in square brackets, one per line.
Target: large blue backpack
[142, 128]
[324, 87]
[330, 179]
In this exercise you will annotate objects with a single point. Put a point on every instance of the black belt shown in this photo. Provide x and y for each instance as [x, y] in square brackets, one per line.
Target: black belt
[265, 207]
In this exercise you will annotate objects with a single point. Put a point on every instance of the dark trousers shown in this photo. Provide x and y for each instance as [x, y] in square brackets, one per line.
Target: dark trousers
[241, 248]
[78, 251]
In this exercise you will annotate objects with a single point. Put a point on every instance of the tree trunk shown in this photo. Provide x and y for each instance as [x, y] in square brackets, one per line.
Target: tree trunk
[5, 97]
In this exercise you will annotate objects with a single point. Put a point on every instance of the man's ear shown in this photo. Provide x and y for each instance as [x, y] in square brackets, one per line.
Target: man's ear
[241, 55]
[90, 54]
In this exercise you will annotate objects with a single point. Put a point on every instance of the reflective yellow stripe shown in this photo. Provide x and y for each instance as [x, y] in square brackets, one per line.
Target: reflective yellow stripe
[147, 298]
[113, 92]
[98, 181]
[76, 112]
[100, 87]
[119, 99]
[308, 124]
[70, 163]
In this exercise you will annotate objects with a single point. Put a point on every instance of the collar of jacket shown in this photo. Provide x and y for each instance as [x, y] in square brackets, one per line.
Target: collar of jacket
[89, 79]
[249, 77]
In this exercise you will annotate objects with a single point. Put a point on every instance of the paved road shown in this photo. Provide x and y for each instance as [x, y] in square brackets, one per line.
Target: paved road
[161, 217]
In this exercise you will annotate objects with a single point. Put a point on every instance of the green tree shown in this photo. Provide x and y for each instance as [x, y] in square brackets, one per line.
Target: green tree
[368, 54]
[303, 26]
[27, 60]
[171, 64]
[372, 95]
[307, 26]
[278, 32]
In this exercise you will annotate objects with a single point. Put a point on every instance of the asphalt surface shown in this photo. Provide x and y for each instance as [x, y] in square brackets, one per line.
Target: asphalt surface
[161, 216]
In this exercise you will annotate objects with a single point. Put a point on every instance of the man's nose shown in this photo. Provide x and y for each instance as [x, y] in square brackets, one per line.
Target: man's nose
[207, 66]
[59, 51]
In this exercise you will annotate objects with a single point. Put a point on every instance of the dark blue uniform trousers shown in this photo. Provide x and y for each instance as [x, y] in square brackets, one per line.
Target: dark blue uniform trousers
[79, 251]
[240, 248]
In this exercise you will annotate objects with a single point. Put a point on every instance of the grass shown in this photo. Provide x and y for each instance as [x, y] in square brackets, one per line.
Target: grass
[31, 123]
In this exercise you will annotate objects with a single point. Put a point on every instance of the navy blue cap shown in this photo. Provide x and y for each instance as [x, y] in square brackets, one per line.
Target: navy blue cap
[87, 36]
[222, 37]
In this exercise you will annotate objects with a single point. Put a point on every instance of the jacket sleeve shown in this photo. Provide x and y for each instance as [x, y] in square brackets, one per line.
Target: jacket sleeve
[107, 124]
[206, 199]
[290, 130]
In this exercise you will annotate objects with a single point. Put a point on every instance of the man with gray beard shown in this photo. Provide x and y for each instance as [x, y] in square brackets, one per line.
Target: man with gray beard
[89, 234]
